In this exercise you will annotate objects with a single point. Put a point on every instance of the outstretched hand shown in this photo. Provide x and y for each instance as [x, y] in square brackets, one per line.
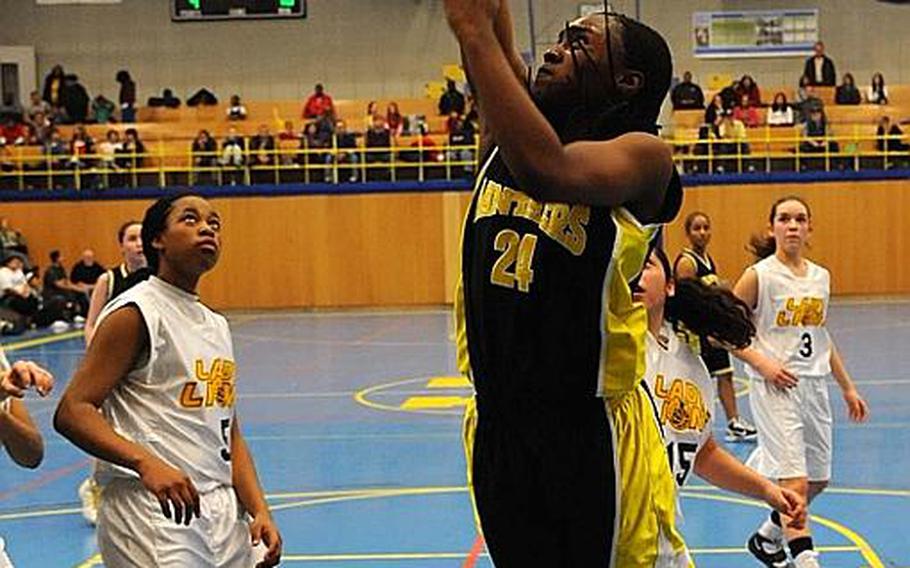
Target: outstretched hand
[24, 375]
[470, 15]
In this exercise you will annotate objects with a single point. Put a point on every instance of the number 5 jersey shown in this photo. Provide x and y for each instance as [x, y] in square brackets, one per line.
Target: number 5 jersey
[790, 317]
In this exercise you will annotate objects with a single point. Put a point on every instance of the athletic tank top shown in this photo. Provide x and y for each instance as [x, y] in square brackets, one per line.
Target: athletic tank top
[179, 403]
[790, 317]
[705, 269]
[120, 280]
[683, 394]
[544, 310]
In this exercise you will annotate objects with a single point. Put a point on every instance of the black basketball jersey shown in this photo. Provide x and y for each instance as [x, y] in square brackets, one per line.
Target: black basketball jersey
[705, 269]
[120, 280]
[544, 308]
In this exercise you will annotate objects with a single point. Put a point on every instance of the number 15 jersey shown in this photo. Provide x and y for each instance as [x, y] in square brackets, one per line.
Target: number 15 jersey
[544, 309]
[790, 317]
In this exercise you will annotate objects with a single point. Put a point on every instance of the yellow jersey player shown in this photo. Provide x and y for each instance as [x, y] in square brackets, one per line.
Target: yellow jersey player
[573, 188]
[178, 479]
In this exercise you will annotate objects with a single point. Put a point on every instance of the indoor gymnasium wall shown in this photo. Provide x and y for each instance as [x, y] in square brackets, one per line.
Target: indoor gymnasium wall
[402, 249]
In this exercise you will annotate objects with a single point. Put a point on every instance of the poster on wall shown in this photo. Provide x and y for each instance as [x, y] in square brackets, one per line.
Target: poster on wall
[759, 33]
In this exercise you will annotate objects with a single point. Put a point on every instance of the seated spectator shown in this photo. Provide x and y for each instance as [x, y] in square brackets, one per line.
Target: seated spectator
[288, 133]
[732, 135]
[424, 148]
[687, 95]
[132, 150]
[461, 144]
[806, 99]
[318, 103]
[56, 149]
[325, 126]
[108, 149]
[748, 88]
[378, 136]
[888, 137]
[729, 95]
[394, 120]
[747, 113]
[204, 150]
[75, 100]
[472, 115]
[81, 146]
[13, 132]
[60, 291]
[714, 113]
[847, 93]
[819, 69]
[877, 92]
[86, 272]
[232, 149]
[103, 109]
[41, 129]
[37, 105]
[780, 113]
[451, 100]
[15, 292]
[262, 147]
[815, 131]
[236, 110]
[349, 158]
[372, 109]
[11, 239]
[315, 156]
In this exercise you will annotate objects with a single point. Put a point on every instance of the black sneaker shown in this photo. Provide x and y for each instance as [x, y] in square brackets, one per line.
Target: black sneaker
[738, 430]
[768, 552]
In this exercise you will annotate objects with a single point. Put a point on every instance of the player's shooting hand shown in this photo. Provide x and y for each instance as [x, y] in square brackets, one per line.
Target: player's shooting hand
[856, 406]
[466, 16]
[263, 529]
[172, 487]
[24, 375]
[787, 502]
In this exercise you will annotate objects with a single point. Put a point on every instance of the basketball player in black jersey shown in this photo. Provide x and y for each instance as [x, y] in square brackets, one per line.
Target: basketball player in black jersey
[573, 188]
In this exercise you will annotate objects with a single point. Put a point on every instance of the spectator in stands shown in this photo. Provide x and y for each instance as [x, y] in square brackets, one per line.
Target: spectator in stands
[715, 113]
[41, 129]
[461, 142]
[820, 68]
[37, 105]
[729, 95]
[86, 272]
[732, 135]
[318, 103]
[236, 110]
[204, 150]
[747, 113]
[423, 148]
[13, 132]
[349, 158]
[780, 113]
[15, 292]
[451, 100]
[815, 132]
[372, 109]
[394, 120]
[232, 148]
[56, 149]
[847, 93]
[288, 133]
[877, 92]
[75, 100]
[102, 109]
[472, 115]
[378, 137]
[81, 145]
[687, 95]
[325, 126]
[108, 149]
[262, 147]
[127, 96]
[747, 87]
[59, 290]
[53, 88]
[806, 98]
[12, 239]
[887, 137]
[132, 150]
[314, 145]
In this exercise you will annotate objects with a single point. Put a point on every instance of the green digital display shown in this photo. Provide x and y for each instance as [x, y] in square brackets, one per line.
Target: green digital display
[207, 10]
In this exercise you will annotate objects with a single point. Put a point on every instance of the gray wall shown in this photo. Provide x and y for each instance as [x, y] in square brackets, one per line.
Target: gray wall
[389, 48]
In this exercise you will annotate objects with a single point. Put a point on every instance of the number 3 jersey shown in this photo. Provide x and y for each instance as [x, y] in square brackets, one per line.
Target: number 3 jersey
[544, 309]
[790, 317]
[179, 402]
[683, 393]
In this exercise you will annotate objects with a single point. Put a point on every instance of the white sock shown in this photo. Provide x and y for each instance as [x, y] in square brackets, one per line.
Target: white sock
[771, 531]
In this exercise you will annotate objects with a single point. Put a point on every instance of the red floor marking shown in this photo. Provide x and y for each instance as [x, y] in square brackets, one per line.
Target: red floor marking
[476, 549]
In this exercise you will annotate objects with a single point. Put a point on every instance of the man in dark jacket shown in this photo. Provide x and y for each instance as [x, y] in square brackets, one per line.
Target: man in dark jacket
[820, 68]
[687, 95]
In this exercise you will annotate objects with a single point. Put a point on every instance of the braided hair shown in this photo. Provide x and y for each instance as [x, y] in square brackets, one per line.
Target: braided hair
[707, 311]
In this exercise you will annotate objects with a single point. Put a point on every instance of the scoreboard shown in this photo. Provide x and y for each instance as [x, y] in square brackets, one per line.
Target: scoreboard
[207, 10]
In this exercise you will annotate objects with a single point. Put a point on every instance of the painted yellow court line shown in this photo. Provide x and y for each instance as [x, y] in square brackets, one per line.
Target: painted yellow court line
[434, 402]
[449, 383]
[38, 341]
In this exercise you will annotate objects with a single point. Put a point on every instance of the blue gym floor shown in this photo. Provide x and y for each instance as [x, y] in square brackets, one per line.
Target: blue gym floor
[354, 420]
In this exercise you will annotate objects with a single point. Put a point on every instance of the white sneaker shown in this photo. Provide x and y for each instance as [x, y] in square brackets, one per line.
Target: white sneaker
[78, 319]
[738, 430]
[807, 559]
[59, 326]
[90, 495]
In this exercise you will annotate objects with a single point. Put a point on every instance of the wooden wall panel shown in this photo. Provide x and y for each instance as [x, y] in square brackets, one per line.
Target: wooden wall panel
[402, 249]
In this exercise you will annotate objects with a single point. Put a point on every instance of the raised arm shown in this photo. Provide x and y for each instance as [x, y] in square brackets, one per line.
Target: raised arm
[591, 172]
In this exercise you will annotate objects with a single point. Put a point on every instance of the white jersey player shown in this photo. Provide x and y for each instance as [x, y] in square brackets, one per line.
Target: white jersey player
[682, 389]
[789, 364]
[161, 369]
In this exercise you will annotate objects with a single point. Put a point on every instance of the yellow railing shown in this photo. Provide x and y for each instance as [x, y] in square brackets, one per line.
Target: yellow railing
[29, 168]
